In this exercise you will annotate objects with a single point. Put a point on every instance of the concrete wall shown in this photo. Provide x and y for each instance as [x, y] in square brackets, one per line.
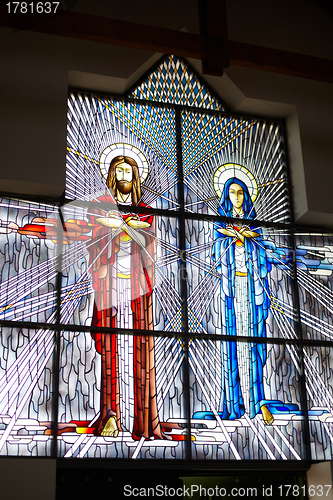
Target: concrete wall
[319, 478]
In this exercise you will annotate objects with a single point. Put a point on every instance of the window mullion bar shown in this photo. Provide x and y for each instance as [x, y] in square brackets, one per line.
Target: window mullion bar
[298, 323]
[183, 284]
[56, 356]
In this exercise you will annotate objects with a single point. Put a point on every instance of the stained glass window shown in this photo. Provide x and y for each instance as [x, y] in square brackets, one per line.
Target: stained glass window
[27, 395]
[167, 307]
[212, 266]
[226, 419]
[314, 275]
[28, 260]
[100, 129]
[318, 370]
[217, 148]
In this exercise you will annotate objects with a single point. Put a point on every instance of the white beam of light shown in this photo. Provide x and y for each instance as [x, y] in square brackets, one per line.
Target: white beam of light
[217, 416]
[23, 401]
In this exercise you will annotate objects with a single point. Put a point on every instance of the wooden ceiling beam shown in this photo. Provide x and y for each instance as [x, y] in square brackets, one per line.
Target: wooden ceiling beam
[280, 61]
[104, 30]
[114, 32]
[213, 25]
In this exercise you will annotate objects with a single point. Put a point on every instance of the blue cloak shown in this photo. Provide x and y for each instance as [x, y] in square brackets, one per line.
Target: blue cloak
[232, 403]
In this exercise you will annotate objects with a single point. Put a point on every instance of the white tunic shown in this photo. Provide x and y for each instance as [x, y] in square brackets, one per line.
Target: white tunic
[242, 320]
[125, 342]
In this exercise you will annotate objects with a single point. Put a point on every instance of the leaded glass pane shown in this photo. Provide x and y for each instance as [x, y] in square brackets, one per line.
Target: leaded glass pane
[220, 150]
[28, 261]
[154, 408]
[122, 256]
[26, 396]
[100, 130]
[314, 260]
[243, 407]
[239, 287]
[173, 82]
[318, 362]
[120, 275]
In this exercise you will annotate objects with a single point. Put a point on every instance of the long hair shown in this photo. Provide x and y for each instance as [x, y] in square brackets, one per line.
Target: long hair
[225, 207]
[136, 183]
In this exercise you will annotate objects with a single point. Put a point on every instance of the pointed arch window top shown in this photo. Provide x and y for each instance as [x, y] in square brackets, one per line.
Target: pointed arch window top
[173, 82]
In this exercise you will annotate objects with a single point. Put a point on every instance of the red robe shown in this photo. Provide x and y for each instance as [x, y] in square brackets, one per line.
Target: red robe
[146, 420]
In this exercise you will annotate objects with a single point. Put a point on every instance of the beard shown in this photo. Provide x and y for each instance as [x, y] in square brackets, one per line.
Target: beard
[124, 187]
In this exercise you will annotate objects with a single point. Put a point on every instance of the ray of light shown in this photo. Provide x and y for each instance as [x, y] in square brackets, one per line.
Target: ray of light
[220, 422]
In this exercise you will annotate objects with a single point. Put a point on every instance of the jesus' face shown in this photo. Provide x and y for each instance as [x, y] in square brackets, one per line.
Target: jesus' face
[124, 176]
[236, 195]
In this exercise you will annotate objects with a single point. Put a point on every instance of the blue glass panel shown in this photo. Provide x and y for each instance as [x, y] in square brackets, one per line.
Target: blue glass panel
[243, 408]
[173, 82]
[314, 260]
[100, 130]
[219, 148]
[240, 287]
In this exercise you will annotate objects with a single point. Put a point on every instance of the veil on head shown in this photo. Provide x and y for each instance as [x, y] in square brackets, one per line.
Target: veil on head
[225, 207]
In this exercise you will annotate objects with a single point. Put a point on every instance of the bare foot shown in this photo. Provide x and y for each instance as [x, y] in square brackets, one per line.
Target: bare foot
[110, 429]
[103, 424]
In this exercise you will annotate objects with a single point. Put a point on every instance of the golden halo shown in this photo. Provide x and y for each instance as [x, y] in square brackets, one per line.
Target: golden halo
[229, 170]
[123, 149]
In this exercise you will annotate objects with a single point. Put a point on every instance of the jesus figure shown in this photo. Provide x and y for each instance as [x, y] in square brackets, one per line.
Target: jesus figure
[123, 280]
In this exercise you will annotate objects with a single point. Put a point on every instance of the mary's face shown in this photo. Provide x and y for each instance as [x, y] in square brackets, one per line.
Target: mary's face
[236, 195]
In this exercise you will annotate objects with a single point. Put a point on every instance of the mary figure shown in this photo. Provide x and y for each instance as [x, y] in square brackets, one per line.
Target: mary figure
[241, 258]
